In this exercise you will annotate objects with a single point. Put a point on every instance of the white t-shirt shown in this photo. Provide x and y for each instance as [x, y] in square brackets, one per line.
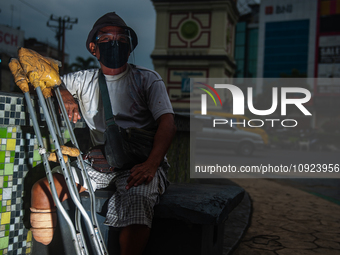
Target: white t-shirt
[138, 98]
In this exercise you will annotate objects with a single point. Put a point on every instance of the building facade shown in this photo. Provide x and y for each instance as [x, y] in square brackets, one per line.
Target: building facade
[302, 39]
[287, 37]
[194, 39]
[327, 65]
[10, 40]
[246, 43]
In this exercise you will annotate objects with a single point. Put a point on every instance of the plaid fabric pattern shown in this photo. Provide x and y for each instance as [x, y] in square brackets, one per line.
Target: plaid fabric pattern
[126, 207]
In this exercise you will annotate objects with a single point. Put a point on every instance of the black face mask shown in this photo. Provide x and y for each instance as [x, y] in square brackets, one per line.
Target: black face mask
[113, 54]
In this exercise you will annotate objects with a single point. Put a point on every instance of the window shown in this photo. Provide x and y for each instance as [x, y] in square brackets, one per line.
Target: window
[286, 47]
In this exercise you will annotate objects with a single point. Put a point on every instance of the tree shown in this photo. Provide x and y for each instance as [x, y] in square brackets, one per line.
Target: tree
[295, 74]
[83, 64]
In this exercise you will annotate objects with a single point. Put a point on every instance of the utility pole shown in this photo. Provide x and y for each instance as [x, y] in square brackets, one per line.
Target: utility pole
[63, 23]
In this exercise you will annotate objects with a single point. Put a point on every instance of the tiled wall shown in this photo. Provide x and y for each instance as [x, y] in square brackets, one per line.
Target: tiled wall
[20, 162]
[14, 238]
[18, 156]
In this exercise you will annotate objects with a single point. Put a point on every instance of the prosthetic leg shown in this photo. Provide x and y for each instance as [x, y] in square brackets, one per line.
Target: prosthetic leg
[42, 74]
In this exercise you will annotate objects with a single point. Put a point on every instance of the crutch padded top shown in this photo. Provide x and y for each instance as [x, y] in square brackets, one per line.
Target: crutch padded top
[40, 71]
[20, 78]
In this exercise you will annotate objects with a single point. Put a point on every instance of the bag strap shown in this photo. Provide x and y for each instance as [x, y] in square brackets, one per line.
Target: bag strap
[106, 99]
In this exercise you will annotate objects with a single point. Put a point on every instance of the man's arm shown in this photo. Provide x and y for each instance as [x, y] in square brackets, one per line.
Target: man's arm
[70, 105]
[144, 172]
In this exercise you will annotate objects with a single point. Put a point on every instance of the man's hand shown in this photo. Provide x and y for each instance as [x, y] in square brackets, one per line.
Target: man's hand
[144, 173]
[70, 105]
[141, 173]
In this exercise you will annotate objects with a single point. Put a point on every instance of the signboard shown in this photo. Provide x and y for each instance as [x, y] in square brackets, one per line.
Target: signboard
[10, 40]
[329, 64]
[329, 57]
[177, 75]
[330, 54]
[279, 9]
[186, 86]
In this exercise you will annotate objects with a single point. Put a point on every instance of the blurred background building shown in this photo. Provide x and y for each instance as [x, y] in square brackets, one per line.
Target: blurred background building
[246, 42]
[327, 65]
[194, 39]
[8, 49]
[10, 40]
[287, 37]
[233, 40]
[250, 39]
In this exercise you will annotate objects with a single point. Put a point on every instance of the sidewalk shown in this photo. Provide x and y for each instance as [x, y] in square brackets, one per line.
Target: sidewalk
[286, 220]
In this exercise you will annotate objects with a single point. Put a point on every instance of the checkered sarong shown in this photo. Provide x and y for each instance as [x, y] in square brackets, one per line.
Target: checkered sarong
[126, 207]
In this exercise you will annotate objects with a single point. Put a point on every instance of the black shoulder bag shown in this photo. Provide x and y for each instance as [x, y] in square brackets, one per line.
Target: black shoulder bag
[124, 148]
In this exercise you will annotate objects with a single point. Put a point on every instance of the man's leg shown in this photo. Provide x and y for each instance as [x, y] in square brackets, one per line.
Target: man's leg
[132, 211]
[133, 239]
[41, 193]
[43, 216]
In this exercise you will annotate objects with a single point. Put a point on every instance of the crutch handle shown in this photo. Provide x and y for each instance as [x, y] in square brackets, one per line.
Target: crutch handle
[20, 78]
[53, 157]
[70, 151]
[66, 151]
[39, 70]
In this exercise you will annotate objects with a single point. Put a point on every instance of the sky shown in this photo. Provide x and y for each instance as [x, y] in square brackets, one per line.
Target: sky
[33, 16]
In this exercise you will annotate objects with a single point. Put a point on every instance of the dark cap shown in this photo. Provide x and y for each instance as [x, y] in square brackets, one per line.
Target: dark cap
[110, 19]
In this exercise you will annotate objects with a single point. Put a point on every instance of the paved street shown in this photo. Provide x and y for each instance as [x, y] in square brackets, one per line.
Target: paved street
[289, 215]
[286, 220]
